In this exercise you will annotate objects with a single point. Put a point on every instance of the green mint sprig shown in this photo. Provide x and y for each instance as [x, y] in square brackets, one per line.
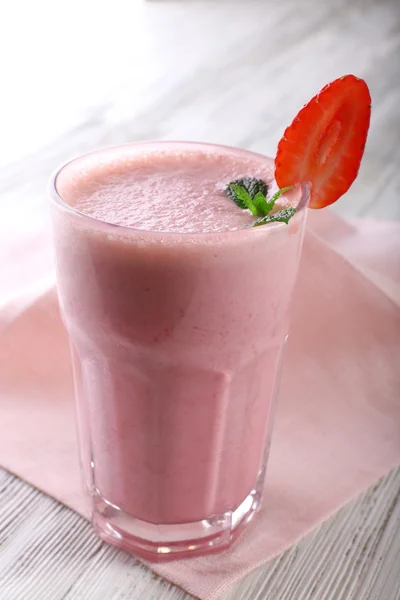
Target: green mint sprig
[240, 195]
[251, 193]
[246, 186]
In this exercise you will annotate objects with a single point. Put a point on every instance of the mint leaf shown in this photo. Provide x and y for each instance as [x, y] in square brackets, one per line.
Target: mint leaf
[249, 192]
[282, 216]
[275, 197]
[241, 197]
[280, 192]
[251, 184]
[260, 202]
[235, 193]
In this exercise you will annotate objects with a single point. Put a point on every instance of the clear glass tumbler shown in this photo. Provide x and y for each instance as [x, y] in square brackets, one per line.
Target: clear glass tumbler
[177, 342]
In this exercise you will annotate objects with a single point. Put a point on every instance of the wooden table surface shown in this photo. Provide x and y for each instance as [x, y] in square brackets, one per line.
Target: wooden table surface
[81, 75]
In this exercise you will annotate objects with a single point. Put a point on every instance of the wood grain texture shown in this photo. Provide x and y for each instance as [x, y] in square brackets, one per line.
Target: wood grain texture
[231, 72]
[49, 552]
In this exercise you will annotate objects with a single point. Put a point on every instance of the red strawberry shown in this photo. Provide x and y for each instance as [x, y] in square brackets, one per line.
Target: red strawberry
[326, 141]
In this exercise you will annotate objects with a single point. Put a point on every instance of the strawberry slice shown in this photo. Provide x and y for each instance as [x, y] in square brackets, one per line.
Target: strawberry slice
[325, 143]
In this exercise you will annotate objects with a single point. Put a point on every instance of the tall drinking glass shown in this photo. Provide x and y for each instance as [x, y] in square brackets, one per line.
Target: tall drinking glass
[176, 341]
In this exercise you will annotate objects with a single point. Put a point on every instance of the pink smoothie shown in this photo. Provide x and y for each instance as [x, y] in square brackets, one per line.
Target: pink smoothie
[177, 312]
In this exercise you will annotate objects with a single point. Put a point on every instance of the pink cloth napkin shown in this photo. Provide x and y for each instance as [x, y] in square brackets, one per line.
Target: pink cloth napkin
[338, 418]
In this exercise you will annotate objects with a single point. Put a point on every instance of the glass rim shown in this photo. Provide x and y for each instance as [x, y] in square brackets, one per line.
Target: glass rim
[58, 200]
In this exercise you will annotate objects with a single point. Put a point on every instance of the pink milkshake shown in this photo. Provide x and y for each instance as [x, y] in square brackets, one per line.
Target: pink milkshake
[177, 312]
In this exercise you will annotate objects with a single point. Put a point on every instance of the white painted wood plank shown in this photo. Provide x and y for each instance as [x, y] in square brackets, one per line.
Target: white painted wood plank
[52, 553]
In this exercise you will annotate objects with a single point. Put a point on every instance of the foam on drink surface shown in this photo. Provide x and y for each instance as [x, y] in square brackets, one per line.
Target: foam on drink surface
[170, 190]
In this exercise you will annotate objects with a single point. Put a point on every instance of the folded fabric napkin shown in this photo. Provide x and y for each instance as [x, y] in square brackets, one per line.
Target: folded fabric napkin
[338, 416]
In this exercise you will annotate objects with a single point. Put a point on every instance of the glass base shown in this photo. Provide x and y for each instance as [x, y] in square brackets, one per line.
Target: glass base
[170, 542]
